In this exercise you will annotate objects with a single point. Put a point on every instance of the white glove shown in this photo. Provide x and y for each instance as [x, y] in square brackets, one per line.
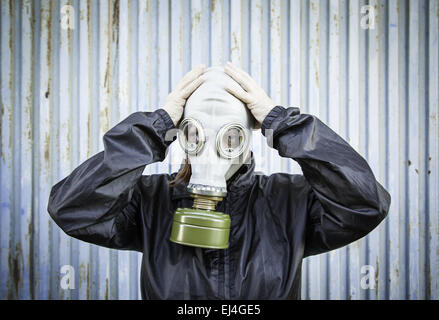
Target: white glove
[174, 104]
[258, 102]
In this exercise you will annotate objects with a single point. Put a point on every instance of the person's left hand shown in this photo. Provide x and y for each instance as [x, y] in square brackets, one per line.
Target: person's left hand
[259, 103]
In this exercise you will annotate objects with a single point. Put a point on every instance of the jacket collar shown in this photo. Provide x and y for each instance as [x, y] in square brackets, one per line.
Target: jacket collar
[238, 183]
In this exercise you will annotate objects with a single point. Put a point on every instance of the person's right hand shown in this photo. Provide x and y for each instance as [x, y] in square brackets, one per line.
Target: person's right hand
[176, 100]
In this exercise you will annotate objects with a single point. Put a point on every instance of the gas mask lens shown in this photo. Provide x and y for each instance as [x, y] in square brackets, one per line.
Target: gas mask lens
[191, 136]
[231, 141]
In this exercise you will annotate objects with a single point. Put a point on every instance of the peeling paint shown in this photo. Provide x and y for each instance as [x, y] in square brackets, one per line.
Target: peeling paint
[83, 275]
[16, 266]
[197, 18]
[47, 150]
[106, 288]
[104, 119]
[115, 21]
[377, 275]
[235, 42]
[11, 74]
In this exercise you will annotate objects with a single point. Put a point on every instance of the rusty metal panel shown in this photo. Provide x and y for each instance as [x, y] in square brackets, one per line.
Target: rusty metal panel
[71, 69]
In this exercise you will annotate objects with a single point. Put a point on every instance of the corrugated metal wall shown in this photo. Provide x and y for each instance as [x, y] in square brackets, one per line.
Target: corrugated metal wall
[72, 69]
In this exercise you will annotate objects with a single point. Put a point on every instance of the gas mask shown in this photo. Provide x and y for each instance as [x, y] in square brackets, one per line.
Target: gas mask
[215, 134]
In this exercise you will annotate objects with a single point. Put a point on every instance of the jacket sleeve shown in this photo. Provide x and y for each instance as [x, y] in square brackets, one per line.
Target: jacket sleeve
[98, 202]
[345, 202]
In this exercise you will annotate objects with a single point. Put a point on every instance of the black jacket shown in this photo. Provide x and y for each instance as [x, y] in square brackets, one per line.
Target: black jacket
[276, 220]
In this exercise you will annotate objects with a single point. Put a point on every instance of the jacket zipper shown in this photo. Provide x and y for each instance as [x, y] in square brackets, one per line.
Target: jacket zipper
[226, 262]
[222, 269]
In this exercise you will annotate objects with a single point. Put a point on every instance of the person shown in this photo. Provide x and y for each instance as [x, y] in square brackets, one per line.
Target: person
[276, 220]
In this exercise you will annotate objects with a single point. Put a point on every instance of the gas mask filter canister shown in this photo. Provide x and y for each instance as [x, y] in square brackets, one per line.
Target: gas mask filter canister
[215, 134]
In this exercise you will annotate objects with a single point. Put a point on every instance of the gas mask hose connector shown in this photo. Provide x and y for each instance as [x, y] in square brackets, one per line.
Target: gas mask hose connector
[205, 202]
